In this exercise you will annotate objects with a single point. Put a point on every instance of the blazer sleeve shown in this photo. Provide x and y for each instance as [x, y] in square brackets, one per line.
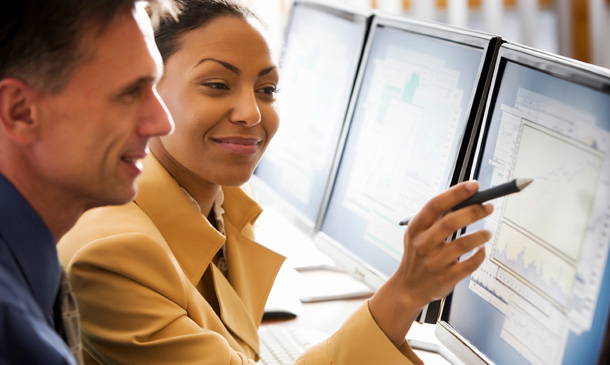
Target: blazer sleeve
[146, 303]
[359, 341]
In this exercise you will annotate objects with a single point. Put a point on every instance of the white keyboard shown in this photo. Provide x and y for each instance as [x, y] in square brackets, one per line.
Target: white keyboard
[282, 344]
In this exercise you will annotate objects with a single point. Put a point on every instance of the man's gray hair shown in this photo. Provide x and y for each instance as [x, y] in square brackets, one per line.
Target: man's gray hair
[43, 41]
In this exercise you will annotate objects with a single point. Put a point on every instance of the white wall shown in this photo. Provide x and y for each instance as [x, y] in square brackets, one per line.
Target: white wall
[607, 60]
[546, 29]
[600, 32]
[271, 13]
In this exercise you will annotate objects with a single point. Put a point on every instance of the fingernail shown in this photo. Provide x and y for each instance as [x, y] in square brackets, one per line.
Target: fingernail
[472, 185]
[489, 208]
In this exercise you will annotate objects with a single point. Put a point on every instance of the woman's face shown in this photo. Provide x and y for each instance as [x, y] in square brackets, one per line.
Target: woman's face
[220, 89]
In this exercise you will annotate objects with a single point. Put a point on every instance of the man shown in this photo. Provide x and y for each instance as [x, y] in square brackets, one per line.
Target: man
[78, 105]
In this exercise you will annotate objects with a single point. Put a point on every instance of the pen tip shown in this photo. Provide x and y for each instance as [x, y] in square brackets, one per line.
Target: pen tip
[522, 183]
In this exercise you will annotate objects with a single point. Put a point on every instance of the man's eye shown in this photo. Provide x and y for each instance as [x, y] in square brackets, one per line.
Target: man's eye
[134, 93]
[130, 94]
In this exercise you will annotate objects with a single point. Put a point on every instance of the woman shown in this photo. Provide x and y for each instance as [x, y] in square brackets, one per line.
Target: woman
[175, 277]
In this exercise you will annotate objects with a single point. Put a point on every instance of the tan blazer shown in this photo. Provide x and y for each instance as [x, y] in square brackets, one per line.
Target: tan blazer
[138, 273]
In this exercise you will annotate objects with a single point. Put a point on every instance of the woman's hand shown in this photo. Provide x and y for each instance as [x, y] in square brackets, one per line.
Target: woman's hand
[430, 268]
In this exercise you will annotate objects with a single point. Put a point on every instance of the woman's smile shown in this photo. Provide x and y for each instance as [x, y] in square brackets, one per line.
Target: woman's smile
[239, 145]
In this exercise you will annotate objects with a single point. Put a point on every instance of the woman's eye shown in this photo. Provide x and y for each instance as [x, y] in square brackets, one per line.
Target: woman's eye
[270, 90]
[216, 85]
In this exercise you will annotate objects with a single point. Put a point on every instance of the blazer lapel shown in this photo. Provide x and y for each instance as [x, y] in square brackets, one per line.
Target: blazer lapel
[192, 239]
[242, 296]
[194, 242]
[252, 269]
[252, 272]
[233, 312]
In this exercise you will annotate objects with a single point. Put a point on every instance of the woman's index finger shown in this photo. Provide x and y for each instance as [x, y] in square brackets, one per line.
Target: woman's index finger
[441, 203]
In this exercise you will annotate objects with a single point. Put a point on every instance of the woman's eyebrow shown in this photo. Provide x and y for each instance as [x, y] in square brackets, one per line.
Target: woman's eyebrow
[266, 71]
[233, 68]
[224, 64]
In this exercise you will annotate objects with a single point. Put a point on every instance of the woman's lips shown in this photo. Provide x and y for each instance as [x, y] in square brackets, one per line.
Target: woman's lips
[239, 145]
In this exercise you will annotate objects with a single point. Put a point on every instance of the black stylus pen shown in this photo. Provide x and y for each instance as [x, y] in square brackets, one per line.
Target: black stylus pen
[482, 196]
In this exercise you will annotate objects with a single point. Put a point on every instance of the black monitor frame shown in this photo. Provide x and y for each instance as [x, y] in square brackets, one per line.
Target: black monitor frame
[561, 67]
[489, 45]
[266, 194]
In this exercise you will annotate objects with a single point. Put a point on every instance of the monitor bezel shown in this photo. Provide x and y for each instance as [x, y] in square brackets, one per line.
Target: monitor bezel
[489, 45]
[265, 194]
[555, 65]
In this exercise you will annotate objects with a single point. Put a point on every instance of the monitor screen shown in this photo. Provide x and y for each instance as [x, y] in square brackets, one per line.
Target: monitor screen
[542, 294]
[416, 106]
[323, 48]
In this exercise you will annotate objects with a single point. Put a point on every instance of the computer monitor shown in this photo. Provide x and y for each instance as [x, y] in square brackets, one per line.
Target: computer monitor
[323, 47]
[542, 295]
[412, 121]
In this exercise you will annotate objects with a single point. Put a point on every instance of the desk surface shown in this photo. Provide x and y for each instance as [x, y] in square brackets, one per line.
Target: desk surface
[324, 316]
[328, 316]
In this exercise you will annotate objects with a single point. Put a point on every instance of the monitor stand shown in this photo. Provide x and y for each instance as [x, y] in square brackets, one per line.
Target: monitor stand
[423, 341]
[329, 283]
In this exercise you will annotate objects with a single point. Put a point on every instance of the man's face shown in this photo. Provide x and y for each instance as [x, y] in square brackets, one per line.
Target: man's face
[96, 129]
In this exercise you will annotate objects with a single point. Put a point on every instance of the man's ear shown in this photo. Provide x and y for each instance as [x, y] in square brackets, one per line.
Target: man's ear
[17, 111]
